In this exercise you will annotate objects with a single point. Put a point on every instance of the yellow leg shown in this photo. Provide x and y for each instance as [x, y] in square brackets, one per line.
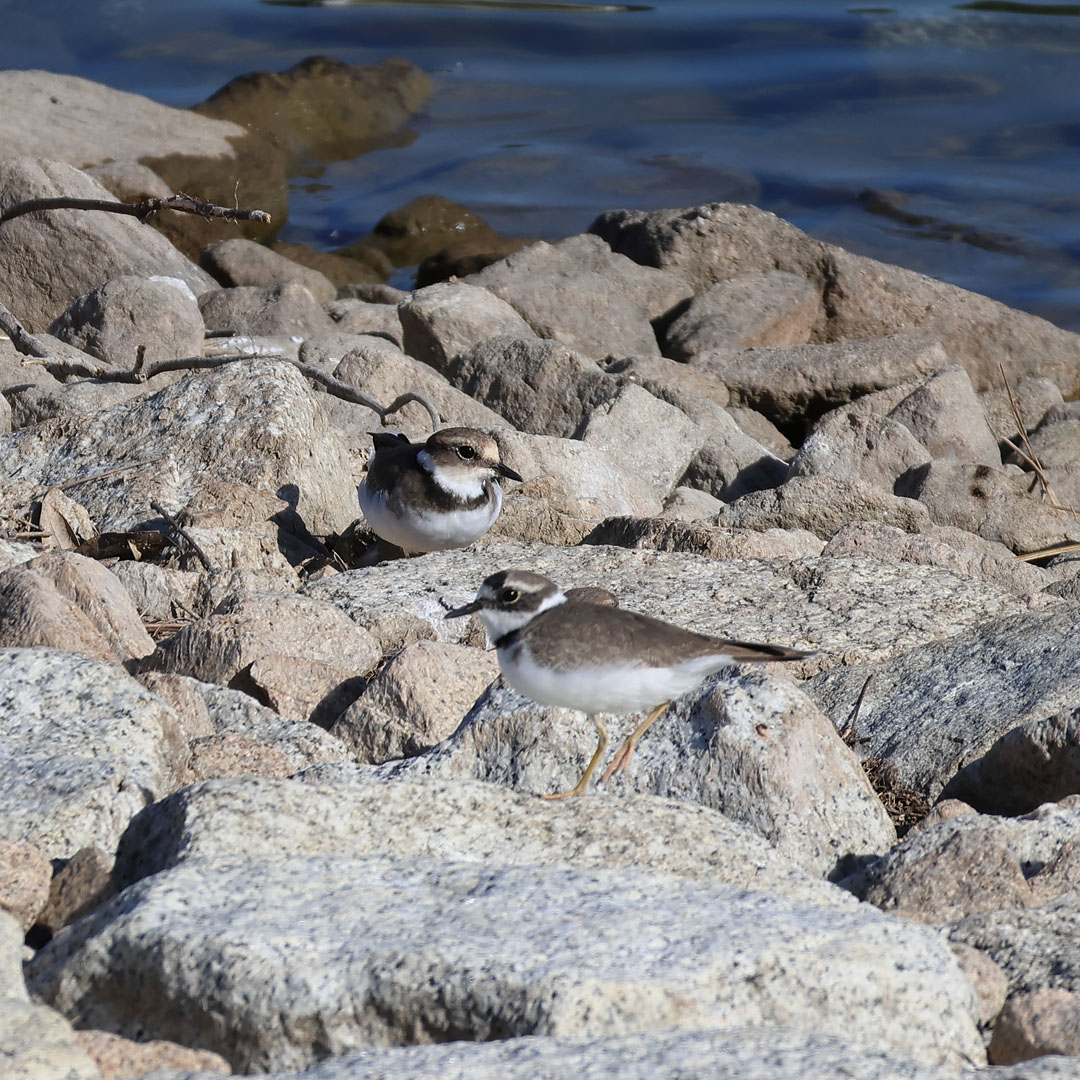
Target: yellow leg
[626, 751]
[581, 786]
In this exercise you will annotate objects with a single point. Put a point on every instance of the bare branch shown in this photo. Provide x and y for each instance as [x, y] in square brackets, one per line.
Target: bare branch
[24, 342]
[186, 204]
[177, 530]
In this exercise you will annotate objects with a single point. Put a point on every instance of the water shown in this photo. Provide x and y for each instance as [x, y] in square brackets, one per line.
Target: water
[545, 114]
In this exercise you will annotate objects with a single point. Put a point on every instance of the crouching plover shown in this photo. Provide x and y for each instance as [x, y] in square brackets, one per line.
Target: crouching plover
[441, 494]
[559, 650]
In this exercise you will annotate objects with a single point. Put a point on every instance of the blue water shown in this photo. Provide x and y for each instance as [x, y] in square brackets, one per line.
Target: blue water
[544, 115]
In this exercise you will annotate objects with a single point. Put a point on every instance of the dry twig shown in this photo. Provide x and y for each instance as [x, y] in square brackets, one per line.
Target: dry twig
[185, 204]
[1028, 453]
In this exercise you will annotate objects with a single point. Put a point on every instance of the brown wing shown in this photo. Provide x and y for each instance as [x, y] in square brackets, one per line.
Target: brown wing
[589, 628]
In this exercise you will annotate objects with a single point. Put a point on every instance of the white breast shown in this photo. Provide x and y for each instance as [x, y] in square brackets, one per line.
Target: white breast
[618, 688]
[418, 531]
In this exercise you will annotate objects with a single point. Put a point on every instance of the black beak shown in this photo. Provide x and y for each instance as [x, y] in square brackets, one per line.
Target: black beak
[505, 470]
[468, 609]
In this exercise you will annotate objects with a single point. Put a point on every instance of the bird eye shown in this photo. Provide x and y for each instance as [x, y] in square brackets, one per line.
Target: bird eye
[466, 452]
[509, 596]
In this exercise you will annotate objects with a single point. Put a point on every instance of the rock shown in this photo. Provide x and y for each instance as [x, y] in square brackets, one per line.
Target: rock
[341, 810]
[323, 108]
[794, 384]
[991, 986]
[345, 273]
[730, 464]
[584, 477]
[360, 317]
[416, 701]
[380, 293]
[540, 387]
[650, 438]
[85, 748]
[36, 1043]
[24, 881]
[441, 322]
[15, 553]
[767, 307]
[848, 609]
[113, 320]
[243, 262]
[1035, 763]
[477, 951]
[999, 567]
[935, 708]
[66, 118]
[467, 255]
[82, 884]
[823, 505]
[256, 549]
[272, 309]
[35, 404]
[123, 1059]
[66, 601]
[679, 384]
[1034, 1024]
[764, 431]
[384, 372]
[945, 416]
[422, 227]
[258, 424]
[541, 511]
[753, 732]
[1035, 397]
[991, 503]
[221, 712]
[691, 506]
[579, 293]
[662, 534]
[1034, 946]
[237, 755]
[861, 298]
[257, 643]
[49, 259]
[860, 445]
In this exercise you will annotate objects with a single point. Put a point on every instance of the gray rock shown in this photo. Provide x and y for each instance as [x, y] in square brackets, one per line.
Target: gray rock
[257, 424]
[857, 444]
[114, 319]
[1036, 947]
[440, 322]
[16, 552]
[334, 810]
[371, 952]
[415, 701]
[232, 712]
[287, 309]
[69, 602]
[581, 294]
[265, 643]
[792, 383]
[749, 745]
[848, 609]
[1035, 763]
[934, 709]
[647, 436]
[538, 386]
[244, 262]
[691, 506]
[1035, 397]
[49, 259]
[999, 567]
[823, 505]
[664, 534]
[360, 317]
[861, 298]
[680, 384]
[763, 430]
[25, 874]
[992, 503]
[944, 415]
[84, 748]
[767, 307]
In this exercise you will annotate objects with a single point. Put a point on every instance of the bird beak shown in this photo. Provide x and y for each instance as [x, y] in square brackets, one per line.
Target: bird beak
[468, 609]
[505, 470]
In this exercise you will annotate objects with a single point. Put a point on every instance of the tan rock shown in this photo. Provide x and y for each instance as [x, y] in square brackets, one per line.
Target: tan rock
[82, 884]
[25, 873]
[236, 755]
[1040, 1022]
[118, 1058]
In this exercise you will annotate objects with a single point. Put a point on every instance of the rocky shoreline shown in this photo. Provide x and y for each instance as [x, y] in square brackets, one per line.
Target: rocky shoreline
[265, 810]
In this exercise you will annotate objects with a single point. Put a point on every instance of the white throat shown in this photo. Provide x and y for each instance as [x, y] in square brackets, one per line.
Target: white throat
[498, 622]
[460, 482]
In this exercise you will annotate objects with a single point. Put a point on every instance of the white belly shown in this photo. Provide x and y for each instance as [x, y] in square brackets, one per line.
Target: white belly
[435, 531]
[616, 688]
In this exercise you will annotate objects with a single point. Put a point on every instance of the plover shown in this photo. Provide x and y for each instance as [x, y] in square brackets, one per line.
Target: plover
[431, 496]
[559, 650]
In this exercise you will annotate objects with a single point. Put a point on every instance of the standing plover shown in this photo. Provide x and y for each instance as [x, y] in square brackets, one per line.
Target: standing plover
[598, 659]
[441, 494]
